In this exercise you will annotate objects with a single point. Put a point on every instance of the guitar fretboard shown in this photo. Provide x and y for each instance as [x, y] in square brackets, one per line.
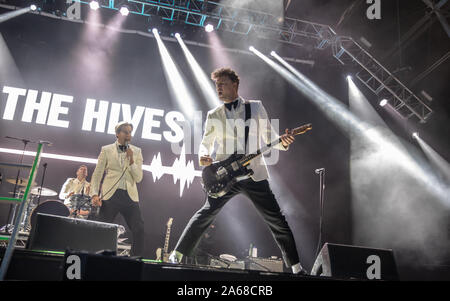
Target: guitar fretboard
[166, 242]
[297, 131]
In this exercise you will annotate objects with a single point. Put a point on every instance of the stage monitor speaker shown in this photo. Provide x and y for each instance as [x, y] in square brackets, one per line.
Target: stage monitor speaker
[86, 266]
[57, 233]
[353, 262]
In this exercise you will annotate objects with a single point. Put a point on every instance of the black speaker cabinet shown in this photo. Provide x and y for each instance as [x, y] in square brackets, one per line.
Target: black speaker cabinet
[84, 266]
[57, 233]
[347, 262]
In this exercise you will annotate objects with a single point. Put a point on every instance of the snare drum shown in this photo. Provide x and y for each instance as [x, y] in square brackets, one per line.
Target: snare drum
[54, 207]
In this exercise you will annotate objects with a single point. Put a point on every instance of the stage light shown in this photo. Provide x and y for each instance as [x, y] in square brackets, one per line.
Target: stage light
[383, 102]
[177, 35]
[124, 11]
[273, 53]
[177, 84]
[415, 135]
[33, 7]
[251, 48]
[209, 28]
[155, 31]
[204, 81]
[94, 5]
[349, 77]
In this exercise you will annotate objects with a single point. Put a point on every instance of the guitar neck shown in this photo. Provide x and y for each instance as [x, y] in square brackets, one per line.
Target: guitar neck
[166, 242]
[245, 160]
[297, 131]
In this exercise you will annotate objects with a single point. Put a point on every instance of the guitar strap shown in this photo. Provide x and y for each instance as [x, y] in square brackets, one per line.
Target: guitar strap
[248, 114]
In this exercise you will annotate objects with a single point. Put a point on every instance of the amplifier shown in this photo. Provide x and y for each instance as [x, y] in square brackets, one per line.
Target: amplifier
[265, 264]
[216, 263]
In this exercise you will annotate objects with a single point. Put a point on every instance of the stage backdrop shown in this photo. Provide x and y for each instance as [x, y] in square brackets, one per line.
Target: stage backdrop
[85, 81]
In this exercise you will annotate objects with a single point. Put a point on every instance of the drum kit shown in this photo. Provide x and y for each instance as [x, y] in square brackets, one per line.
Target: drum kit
[79, 204]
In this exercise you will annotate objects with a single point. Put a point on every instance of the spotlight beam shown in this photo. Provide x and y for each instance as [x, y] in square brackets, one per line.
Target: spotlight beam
[203, 80]
[438, 162]
[178, 87]
[339, 114]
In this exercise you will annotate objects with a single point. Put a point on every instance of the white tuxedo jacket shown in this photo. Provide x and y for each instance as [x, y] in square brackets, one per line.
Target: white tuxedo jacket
[217, 132]
[109, 161]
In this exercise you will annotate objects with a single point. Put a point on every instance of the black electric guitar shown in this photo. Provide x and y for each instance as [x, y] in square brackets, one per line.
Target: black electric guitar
[219, 177]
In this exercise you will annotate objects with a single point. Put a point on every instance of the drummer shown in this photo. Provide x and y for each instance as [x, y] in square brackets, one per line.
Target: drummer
[78, 185]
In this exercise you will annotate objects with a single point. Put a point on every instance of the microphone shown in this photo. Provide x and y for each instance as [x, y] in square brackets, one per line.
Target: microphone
[319, 170]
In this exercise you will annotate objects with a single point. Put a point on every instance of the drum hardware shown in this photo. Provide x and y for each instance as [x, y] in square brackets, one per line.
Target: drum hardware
[20, 181]
[35, 191]
[19, 194]
[42, 184]
[24, 225]
[13, 208]
[79, 202]
[32, 204]
[39, 190]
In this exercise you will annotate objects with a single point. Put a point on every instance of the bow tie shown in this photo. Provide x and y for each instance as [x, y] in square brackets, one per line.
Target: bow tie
[230, 104]
[123, 147]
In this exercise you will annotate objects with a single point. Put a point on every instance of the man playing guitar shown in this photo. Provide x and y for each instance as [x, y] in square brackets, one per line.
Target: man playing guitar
[256, 187]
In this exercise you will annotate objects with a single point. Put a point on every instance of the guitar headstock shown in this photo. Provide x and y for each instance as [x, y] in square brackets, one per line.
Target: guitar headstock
[169, 222]
[301, 129]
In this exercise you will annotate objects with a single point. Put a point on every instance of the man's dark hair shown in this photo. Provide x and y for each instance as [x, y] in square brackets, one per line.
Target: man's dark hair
[228, 72]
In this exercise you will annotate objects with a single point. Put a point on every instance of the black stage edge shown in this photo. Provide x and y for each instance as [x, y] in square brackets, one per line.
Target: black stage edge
[60, 266]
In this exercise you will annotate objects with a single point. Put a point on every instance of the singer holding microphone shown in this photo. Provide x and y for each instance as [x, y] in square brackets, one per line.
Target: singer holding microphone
[122, 163]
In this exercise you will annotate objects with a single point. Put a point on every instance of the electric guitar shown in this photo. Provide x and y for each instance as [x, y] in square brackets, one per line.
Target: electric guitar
[219, 177]
[163, 254]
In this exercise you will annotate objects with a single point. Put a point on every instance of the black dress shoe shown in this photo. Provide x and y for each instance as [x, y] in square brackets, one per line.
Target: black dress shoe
[302, 272]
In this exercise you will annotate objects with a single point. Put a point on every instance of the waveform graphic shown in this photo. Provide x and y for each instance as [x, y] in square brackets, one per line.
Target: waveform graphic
[180, 170]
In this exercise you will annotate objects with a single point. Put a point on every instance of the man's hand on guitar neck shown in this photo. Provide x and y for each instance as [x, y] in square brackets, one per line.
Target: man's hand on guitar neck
[287, 138]
[205, 160]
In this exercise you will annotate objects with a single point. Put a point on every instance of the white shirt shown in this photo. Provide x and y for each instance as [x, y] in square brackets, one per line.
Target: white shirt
[122, 158]
[73, 185]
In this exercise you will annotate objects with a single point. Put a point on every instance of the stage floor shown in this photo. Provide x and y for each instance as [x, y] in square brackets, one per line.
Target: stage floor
[52, 266]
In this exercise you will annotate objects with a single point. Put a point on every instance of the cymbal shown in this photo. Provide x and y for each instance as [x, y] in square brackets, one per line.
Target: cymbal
[20, 182]
[20, 192]
[44, 191]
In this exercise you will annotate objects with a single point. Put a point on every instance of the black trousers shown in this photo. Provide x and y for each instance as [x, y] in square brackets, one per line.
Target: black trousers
[121, 202]
[263, 199]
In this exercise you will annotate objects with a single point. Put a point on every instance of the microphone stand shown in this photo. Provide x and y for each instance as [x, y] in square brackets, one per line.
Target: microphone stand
[321, 173]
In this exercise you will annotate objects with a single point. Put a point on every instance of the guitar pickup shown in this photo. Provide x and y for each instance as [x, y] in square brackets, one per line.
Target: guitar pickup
[221, 172]
[235, 166]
